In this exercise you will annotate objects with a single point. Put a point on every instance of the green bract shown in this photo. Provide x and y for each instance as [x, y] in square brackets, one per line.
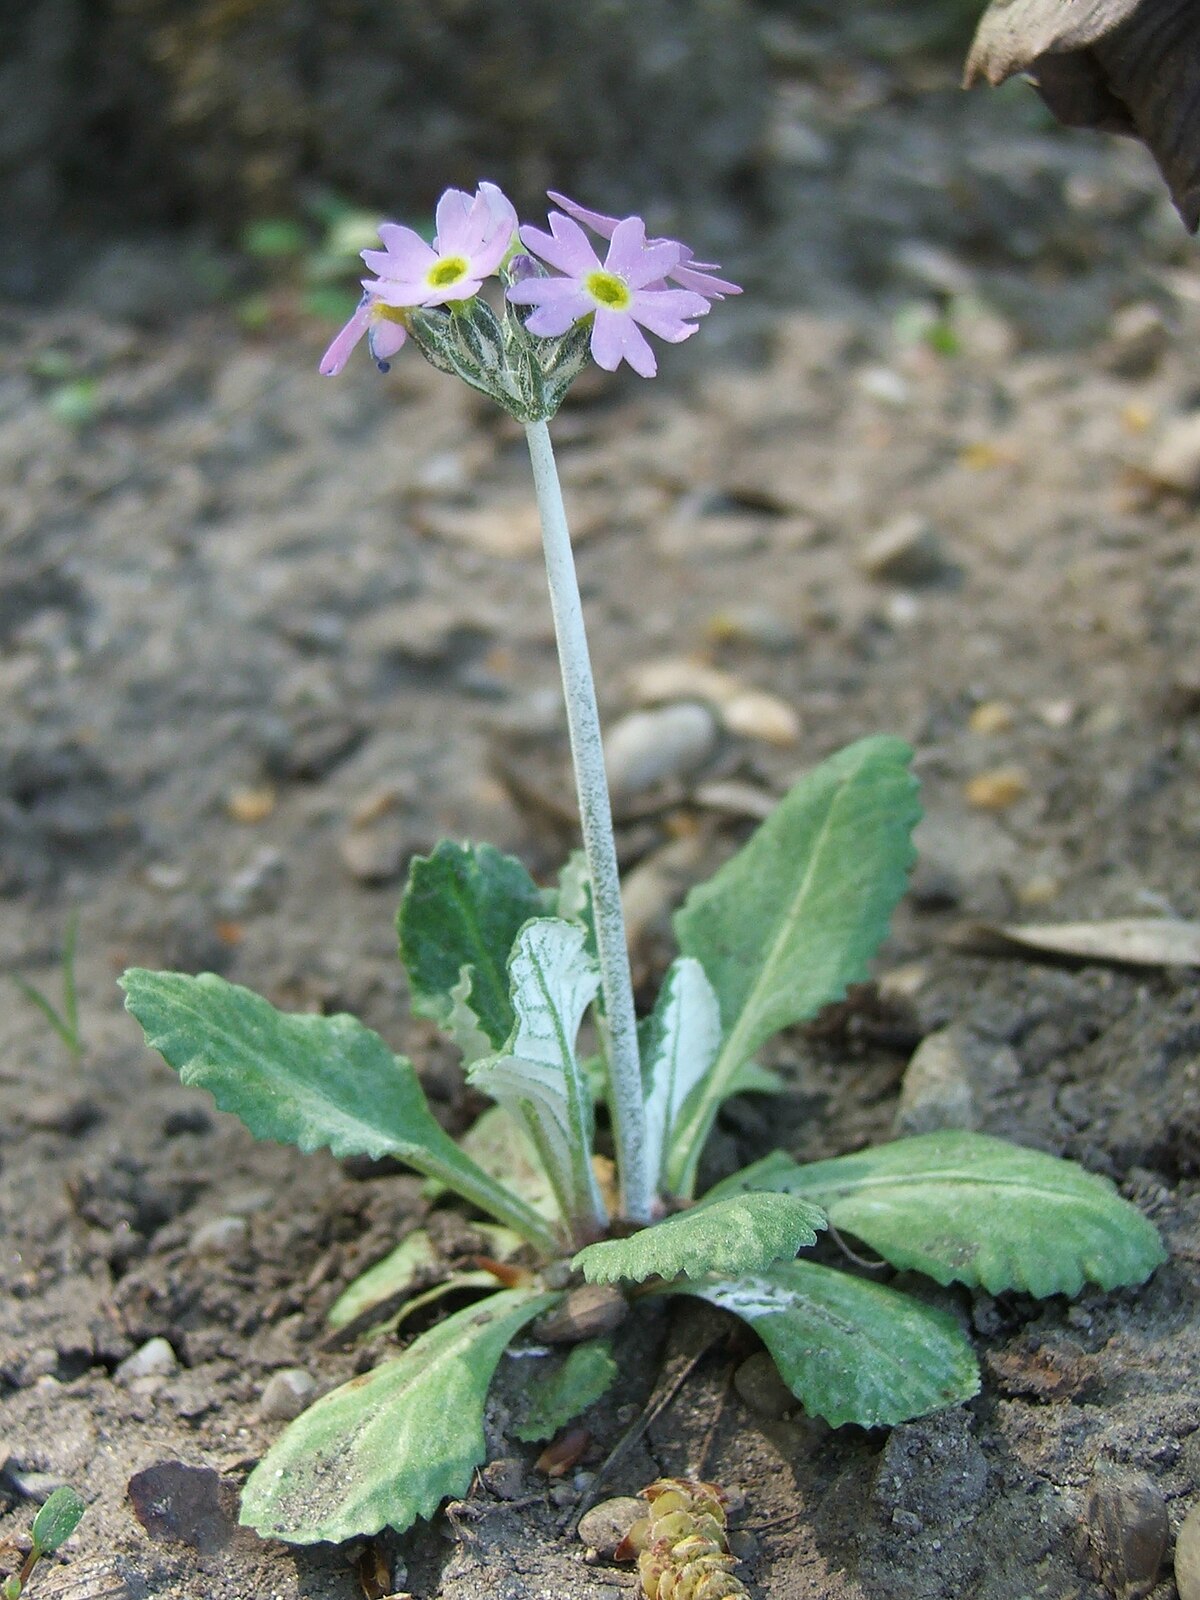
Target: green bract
[510, 971]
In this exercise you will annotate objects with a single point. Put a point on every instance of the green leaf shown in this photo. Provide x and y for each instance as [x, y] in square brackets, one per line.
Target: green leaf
[57, 1520]
[588, 1372]
[728, 1236]
[462, 909]
[479, 1280]
[537, 1078]
[679, 1044]
[966, 1208]
[310, 1081]
[798, 913]
[404, 1268]
[504, 1150]
[850, 1350]
[388, 1447]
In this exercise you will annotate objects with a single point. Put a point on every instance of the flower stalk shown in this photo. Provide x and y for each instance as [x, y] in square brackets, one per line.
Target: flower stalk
[595, 816]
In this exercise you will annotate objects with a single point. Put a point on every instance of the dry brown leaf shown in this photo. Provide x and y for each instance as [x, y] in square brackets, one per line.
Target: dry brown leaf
[1126, 941]
[1120, 66]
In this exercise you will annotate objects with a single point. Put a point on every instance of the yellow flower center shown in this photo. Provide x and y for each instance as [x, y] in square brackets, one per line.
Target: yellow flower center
[608, 290]
[450, 269]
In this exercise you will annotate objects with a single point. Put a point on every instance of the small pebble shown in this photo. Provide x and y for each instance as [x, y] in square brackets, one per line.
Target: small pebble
[906, 550]
[376, 853]
[588, 1312]
[1175, 461]
[648, 747]
[1138, 339]
[220, 1236]
[1187, 1556]
[936, 1091]
[997, 789]
[504, 1477]
[286, 1394]
[155, 1359]
[1128, 1529]
[249, 806]
[36, 1486]
[754, 714]
[257, 888]
[991, 716]
[758, 1383]
[603, 1527]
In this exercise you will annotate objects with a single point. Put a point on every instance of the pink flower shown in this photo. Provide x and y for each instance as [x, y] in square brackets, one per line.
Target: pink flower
[690, 273]
[623, 296]
[474, 234]
[385, 333]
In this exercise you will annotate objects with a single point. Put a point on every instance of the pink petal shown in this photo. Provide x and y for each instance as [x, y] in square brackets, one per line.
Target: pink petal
[386, 338]
[700, 276]
[615, 338]
[668, 312]
[407, 255]
[336, 357]
[393, 293]
[464, 289]
[453, 223]
[595, 220]
[566, 248]
[560, 303]
[493, 222]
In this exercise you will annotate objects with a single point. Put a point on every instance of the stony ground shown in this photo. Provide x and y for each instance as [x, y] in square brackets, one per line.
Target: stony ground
[264, 636]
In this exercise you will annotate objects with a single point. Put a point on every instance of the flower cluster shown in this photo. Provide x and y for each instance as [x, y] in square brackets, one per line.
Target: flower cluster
[642, 284]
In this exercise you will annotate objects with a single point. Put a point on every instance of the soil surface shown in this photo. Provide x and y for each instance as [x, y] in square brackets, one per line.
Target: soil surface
[264, 636]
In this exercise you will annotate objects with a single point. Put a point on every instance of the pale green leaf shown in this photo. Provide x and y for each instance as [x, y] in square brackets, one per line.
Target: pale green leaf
[388, 1447]
[462, 908]
[310, 1081]
[728, 1236]
[478, 1282]
[57, 1519]
[679, 1043]
[966, 1208]
[555, 1399]
[798, 913]
[537, 1078]
[504, 1150]
[403, 1268]
[848, 1349]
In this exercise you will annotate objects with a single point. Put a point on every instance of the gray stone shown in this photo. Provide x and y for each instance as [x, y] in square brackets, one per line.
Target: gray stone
[603, 1527]
[286, 1394]
[648, 747]
[220, 1236]
[906, 550]
[154, 1359]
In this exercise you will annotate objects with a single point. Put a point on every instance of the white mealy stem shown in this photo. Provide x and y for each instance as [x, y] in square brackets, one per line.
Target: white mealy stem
[595, 815]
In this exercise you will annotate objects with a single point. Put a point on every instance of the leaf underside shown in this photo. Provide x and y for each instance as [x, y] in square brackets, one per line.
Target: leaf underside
[850, 1350]
[388, 1447]
[588, 1372]
[966, 1208]
[462, 908]
[728, 1236]
[678, 1044]
[315, 1082]
[536, 1077]
[796, 916]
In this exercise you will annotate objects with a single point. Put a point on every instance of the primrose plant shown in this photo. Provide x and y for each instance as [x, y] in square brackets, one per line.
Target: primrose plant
[511, 969]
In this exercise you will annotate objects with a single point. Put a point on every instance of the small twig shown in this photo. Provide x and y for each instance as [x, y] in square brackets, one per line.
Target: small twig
[698, 1471]
[859, 1261]
[667, 1388]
